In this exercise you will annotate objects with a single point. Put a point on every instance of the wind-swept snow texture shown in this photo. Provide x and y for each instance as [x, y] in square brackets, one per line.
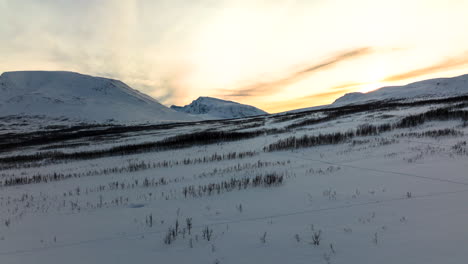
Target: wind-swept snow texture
[213, 108]
[76, 96]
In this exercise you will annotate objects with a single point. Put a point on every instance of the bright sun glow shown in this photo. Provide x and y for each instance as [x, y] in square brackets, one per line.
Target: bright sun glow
[374, 77]
[369, 87]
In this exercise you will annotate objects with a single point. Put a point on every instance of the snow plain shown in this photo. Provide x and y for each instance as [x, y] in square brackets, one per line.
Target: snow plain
[397, 196]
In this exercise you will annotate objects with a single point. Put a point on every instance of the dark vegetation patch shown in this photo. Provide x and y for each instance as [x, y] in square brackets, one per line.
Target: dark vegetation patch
[324, 139]
[12, 141]
[433, 133]
[131, 167]
[175, 142]
[9, 142]
[460, 148]
[441, 114]
[267, 180]
[336, 112]
[59, 146]
[250, 125]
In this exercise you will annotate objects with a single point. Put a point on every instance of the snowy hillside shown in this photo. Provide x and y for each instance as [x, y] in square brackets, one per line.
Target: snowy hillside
[213, 108]
[433, 88]
[375, 183]
[76, 96]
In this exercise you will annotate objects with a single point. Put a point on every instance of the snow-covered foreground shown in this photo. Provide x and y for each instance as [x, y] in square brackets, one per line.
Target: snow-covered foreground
[394, 196]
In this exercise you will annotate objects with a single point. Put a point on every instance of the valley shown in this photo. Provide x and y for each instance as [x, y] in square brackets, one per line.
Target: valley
[374, 182]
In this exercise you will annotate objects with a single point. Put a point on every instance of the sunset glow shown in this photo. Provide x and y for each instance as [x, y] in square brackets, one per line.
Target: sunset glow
[276, 55]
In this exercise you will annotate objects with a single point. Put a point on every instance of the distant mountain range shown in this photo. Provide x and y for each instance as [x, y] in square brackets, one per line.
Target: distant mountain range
[79, 97]
[427, 89]
[208, 107]
[86, 98]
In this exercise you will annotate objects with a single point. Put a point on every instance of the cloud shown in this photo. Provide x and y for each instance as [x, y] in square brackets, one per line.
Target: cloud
[276, 85]
[309, 100]
[448, 64]
[347, 85]
[115, 39]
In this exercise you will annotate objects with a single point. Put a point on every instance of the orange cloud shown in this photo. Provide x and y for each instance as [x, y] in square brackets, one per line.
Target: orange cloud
[276, 85]
[308, 101]
[448, 64]
[347, 85]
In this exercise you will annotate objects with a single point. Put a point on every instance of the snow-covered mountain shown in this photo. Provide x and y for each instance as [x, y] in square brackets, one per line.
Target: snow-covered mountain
[433, 88]
[209, 107]
[76, 96]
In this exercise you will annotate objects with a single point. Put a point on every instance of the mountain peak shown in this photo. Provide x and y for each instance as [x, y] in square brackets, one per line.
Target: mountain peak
[214, 108]
[213, 99]
[75, 95]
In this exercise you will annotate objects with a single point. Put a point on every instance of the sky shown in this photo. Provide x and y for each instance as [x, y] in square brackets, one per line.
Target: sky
[277, 55]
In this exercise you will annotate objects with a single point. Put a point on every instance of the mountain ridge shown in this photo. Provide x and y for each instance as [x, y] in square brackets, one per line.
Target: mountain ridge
[430, 88]
[210, 107]
[75, 95]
